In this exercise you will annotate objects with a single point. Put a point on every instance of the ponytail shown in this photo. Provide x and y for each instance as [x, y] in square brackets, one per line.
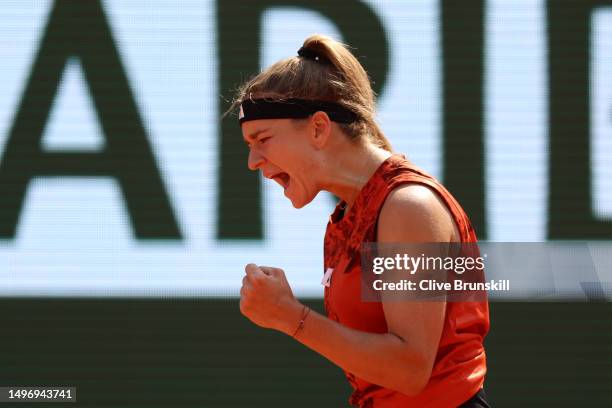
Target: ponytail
[335, 76]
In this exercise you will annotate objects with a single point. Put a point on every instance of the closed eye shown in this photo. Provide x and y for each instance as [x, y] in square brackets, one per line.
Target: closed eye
[263, 140]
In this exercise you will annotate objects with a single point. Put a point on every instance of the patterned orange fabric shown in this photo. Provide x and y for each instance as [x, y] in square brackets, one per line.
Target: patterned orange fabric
[460, 364]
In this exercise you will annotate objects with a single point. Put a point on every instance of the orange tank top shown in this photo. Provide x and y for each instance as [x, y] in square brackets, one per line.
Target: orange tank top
[460, 365]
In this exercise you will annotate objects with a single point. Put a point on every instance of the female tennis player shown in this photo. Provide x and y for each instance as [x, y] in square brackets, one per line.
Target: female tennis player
[309, 124]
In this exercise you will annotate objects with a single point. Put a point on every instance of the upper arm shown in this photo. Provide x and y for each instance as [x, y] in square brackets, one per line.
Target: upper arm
[415, 214]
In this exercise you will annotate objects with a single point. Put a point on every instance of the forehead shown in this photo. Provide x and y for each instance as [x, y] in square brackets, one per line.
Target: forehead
[252, 128]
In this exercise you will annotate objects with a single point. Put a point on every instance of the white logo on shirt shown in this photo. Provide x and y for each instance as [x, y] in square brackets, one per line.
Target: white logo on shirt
[326, 281]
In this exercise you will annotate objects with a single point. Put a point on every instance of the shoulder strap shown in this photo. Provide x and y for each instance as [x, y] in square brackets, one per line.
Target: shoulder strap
[398, 172]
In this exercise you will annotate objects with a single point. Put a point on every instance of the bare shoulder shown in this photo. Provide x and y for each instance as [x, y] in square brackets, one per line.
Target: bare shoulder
[415, 213]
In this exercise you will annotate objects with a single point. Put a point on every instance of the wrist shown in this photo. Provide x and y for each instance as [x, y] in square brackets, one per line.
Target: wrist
[290, 322]
[305, 313]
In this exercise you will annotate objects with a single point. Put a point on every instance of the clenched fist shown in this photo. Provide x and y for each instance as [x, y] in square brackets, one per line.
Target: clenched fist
[267, 299]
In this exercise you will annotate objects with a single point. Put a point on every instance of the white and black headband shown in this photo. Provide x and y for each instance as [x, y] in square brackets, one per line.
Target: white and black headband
[294, 108]
[254, 109]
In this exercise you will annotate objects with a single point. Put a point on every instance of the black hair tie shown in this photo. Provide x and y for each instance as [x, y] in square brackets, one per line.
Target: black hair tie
[310, 54]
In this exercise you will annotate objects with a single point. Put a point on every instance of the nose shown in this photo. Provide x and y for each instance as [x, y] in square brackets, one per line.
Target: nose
[255, 159]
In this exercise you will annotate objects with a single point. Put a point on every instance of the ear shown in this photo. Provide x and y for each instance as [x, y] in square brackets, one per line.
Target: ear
[321, 129]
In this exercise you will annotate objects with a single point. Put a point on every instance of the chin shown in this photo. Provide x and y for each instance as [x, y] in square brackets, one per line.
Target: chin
[298, 203]
[301, 202]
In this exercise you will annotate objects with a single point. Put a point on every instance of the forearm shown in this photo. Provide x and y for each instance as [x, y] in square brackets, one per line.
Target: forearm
[381, 358]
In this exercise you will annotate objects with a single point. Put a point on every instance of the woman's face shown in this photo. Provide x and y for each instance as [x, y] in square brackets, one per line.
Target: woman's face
[282, 151]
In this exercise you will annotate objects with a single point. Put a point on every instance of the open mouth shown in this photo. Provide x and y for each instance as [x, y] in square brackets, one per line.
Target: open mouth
[282, 179]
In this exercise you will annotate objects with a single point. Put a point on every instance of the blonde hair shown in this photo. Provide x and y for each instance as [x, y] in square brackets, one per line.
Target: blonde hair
[336, 77]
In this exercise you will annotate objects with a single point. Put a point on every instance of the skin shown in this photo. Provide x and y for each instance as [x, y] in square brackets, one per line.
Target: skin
[318, 156]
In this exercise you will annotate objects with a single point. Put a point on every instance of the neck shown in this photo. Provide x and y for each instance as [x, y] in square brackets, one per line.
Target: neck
[351, 169]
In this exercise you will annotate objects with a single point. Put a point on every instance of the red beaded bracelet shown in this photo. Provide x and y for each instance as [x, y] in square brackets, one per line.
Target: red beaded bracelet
[305, 312]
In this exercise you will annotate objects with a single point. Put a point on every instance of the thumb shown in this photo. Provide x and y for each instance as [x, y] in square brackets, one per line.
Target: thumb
[253, 270]
[271, 271]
